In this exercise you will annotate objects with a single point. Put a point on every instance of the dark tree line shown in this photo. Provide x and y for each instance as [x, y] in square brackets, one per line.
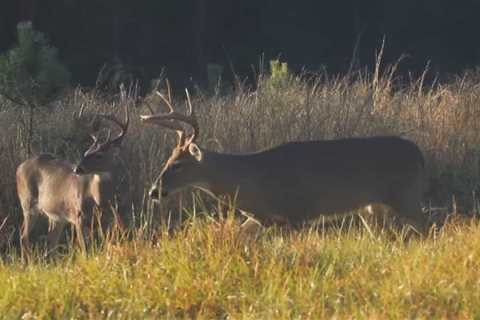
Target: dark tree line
[144, 37]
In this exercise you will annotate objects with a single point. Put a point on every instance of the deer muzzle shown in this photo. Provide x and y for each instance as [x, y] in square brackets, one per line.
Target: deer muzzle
[155, 193]
[78, 170]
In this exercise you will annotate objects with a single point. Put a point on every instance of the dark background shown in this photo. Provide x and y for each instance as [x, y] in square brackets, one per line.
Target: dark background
[182, 36]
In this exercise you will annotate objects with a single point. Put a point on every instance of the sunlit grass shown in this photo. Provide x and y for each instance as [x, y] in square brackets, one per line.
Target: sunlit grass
[210, 268]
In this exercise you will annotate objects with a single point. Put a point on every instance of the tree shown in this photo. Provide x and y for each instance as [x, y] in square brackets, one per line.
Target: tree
[31, 74]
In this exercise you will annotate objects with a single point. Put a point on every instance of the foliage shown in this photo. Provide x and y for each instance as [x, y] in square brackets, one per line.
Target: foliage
[279, 75]
[31, 72]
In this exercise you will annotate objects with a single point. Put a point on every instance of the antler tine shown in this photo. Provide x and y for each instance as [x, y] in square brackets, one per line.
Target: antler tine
[96, 146]
[80, 112]
[162, 119]
[193, 119]
[172, 118]
[190, 108]
[165, 100]
[169, 91]
[123, 126]
[94, 138]
[172, 115]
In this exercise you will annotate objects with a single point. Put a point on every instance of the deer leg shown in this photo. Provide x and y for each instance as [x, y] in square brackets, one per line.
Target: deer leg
[79, 232]
[29, 220]
[54, 234]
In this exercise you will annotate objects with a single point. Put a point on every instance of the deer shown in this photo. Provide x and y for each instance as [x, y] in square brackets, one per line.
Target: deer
[67, 192]
[296, 182]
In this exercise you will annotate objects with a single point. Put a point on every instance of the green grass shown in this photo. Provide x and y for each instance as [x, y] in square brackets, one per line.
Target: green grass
[212, 269]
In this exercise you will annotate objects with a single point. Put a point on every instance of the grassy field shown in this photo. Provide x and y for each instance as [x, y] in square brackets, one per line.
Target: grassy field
[211, 267]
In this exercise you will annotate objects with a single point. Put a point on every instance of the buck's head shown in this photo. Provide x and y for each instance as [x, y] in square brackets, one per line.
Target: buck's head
[99, 155]
[184, 166]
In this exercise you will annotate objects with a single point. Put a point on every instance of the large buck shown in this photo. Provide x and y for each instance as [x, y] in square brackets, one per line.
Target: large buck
[298, 181]
[65, 192]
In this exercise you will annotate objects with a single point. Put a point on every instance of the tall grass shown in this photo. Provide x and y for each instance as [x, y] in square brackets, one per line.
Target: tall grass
[214, 269]
[442, 119]
[210, 269]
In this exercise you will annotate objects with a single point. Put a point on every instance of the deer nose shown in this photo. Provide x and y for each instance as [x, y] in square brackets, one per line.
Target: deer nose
[78, 170]
[154, 193]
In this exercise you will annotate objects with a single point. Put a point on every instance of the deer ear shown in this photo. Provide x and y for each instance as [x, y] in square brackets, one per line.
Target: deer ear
[195, 151]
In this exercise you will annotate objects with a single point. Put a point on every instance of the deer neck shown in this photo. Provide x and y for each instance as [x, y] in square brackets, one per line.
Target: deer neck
[222, 171]
[90, 186]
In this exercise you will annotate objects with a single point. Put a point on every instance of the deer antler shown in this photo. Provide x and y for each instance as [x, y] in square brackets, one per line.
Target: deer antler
[80, 112]
[172, 119]
[97, 146]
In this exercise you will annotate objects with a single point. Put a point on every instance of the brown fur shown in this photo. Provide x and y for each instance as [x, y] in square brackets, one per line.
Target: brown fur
[299, 181]
[48, 186]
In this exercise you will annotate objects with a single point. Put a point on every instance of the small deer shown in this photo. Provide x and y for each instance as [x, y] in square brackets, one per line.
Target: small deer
[65, 192]
[297, 181]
